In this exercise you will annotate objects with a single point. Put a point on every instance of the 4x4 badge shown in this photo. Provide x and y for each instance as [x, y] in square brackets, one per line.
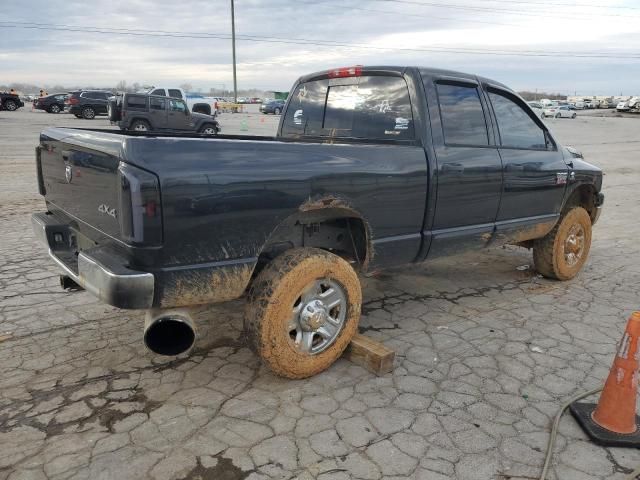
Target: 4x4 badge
[68, 173]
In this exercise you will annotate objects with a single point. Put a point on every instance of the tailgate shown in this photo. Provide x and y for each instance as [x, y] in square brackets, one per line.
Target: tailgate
[82, 183]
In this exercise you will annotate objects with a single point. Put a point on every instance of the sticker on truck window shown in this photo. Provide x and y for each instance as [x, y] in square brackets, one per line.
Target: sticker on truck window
[402, 123]
[297, 117]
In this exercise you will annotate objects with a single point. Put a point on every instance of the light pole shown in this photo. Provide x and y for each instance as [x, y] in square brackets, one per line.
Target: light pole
[233, 46]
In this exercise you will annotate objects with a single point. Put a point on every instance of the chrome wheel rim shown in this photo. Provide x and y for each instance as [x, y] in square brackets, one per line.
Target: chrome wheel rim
[10, 106]
[574, 245]
[317, 316]
[88, 113]
[55, 109]
[208, 131]
[140, 127]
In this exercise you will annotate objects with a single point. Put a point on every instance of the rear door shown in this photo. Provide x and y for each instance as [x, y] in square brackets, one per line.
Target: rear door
[158, 112]
[535, 174]
[98, 100]
[468, 166]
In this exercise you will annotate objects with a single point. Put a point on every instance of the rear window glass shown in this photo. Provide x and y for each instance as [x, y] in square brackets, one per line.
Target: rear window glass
[175, 93]
[159, 91]
[463, 120]
[374, 107]
[135, 101]
[306, 109]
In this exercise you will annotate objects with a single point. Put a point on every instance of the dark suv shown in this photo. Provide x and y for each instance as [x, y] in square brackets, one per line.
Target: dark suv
[88, 103]
[152, 113]
[51, 103]
[10, 101]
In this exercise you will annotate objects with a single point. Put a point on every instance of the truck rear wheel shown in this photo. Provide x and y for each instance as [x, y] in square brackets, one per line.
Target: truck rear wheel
[563, 251]
[303, 309]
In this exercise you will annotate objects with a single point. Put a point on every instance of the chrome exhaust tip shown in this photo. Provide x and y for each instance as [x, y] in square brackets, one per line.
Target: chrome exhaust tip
[169, 332]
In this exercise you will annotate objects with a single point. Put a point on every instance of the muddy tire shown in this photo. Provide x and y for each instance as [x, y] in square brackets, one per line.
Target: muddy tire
[303, 309]
[563, 251]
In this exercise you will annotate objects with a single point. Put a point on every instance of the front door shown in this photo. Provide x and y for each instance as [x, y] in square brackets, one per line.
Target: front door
[469, 170]
[535, 173]
[179, 118]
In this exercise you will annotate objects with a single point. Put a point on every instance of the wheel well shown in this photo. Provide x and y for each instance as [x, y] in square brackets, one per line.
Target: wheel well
[342, 232]
[583, 196]
[138, 119]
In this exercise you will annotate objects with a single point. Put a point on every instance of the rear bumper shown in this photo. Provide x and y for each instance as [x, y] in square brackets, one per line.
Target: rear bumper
[98, 270]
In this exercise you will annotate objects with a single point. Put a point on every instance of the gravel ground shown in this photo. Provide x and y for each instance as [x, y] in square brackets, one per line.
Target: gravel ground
[486, 352]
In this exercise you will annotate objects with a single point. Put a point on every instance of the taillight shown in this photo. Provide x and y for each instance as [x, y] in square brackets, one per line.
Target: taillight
[72, 101]
[355, 71]
[140, 214]
[40, 177]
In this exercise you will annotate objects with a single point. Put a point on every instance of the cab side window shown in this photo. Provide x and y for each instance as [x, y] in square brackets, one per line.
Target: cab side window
[159, 91]
[175, 93]
[463, 120]
[517, 128]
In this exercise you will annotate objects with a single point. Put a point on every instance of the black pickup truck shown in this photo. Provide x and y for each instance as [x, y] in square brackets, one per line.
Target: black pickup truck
[371, 167]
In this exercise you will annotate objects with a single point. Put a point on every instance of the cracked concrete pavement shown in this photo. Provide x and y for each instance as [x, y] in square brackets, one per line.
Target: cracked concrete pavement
[486, 353]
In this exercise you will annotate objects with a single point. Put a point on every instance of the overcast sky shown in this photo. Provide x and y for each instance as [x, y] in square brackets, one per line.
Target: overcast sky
[389, 28]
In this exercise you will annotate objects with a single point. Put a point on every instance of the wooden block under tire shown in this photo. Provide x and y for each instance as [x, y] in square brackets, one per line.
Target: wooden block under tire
[370, 354]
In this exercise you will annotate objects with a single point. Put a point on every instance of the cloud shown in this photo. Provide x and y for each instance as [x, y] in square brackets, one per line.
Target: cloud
[389, 29]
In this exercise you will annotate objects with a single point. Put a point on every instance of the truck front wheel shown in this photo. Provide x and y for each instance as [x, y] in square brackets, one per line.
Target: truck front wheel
[303, 309]
[563, 251]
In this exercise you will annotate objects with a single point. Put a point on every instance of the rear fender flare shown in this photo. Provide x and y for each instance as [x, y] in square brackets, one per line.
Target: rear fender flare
[320, 210]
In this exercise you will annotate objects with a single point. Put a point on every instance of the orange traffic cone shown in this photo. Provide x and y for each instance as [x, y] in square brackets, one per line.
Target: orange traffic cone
[613, 422]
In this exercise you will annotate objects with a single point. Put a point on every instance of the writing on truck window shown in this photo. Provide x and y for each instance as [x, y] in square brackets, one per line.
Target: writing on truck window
[375, 107]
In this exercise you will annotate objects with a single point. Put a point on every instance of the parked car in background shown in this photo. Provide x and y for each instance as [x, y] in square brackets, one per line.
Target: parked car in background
[51, 103]
[537, 108]
[561, 111]
[195, 102]
[10, 101]
[273, 106]
[88, 103]
[627, 105]
[151, 113]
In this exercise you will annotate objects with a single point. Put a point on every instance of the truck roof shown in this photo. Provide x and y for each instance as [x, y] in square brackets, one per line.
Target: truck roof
[399, 70]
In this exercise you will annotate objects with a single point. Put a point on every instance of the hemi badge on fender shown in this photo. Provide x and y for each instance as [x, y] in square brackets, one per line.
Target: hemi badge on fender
[561, 178]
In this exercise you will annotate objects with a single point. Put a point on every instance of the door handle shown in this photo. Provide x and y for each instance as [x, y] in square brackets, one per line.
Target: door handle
[452, 168]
